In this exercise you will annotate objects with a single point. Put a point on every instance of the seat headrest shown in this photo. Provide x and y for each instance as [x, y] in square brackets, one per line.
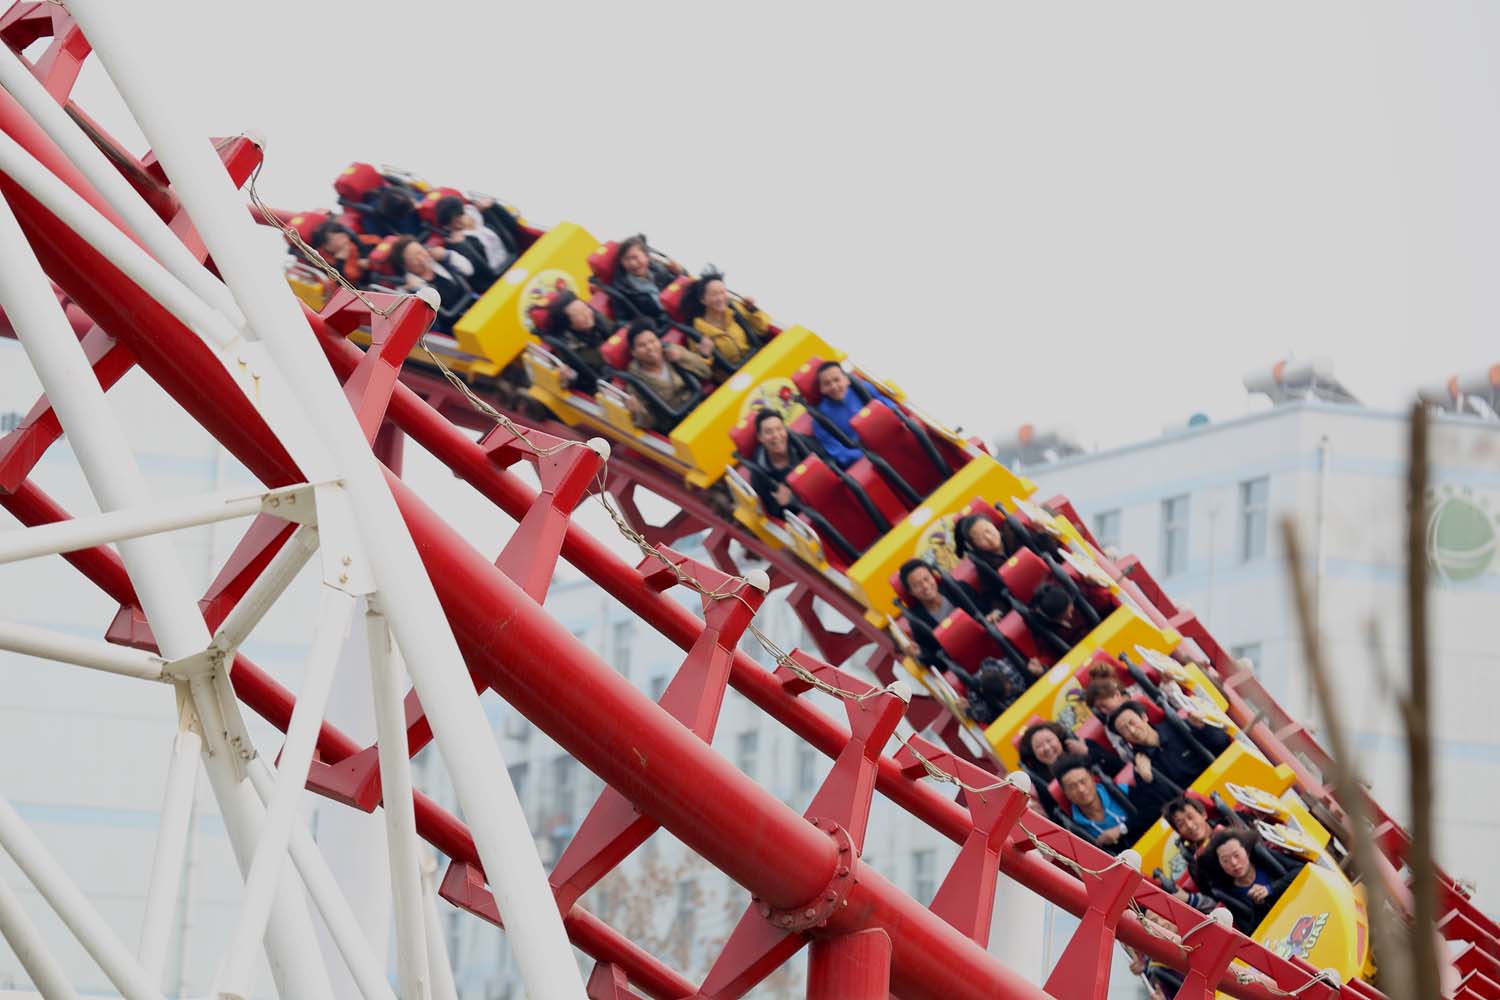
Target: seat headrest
[899, 587]
[539, 314]
[427, 207]
[743, 434]
[604, 262]
[351, 219]
[875, 417]
[1092, 729]
[380, 257]
[806, 380]
[615, 351]
[673, 296]
[307, 223]
[963, 571]
[358, 181]
[984, 508]
[1023, 573]
[1013, 627]
[811, 472]
[1100, 657]
[1209, 809]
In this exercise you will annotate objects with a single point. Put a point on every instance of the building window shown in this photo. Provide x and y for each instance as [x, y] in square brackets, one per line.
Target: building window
[658, 686]
[623, 636]
[1254, 510]
[807, 767]
[924, 875]
[747, 751]
[9, 421]
[564, 772]
[1247, 651]
[1174, 535]
[1107, 529]
[687, 895]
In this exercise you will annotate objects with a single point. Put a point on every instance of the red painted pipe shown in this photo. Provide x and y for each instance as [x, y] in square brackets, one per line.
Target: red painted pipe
[850, 967]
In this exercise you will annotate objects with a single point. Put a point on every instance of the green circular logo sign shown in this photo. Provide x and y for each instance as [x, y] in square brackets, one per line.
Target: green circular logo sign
[1463, 537]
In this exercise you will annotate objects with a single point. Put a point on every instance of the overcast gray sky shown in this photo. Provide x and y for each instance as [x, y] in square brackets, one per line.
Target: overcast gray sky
[1093, 214]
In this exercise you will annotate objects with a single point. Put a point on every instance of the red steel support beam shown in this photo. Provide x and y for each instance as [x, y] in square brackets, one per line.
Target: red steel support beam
[851, 967]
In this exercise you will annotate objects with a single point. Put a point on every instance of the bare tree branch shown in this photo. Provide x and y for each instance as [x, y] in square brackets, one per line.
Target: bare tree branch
[1389, 946]
[1373, 644]
[1417, 716]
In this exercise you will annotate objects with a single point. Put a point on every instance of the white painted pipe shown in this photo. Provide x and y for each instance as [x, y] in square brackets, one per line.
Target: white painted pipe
[158, 238]
[400, 816]
[440, 966]
[336, 609]
[26, 943]
[291, 946]
[105, 237]
[43, 871]
[185, 925]
[108, 465]
[343, 925]
[481, 782]
[120, 525]
[266, 589]
[171, 848]
[89, 653]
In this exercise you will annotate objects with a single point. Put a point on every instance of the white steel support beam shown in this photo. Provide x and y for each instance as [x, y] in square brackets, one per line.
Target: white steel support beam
[158, 238]
[474, 762]
[296, 964]
[438, 963]
[151, 519]
[26, 943]
[171, 848]
[101, 234]
[400, 816]
[91, 653]
[338, 916]
[336, 611]
[105, 457]
[267, 588]
[43, 871]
